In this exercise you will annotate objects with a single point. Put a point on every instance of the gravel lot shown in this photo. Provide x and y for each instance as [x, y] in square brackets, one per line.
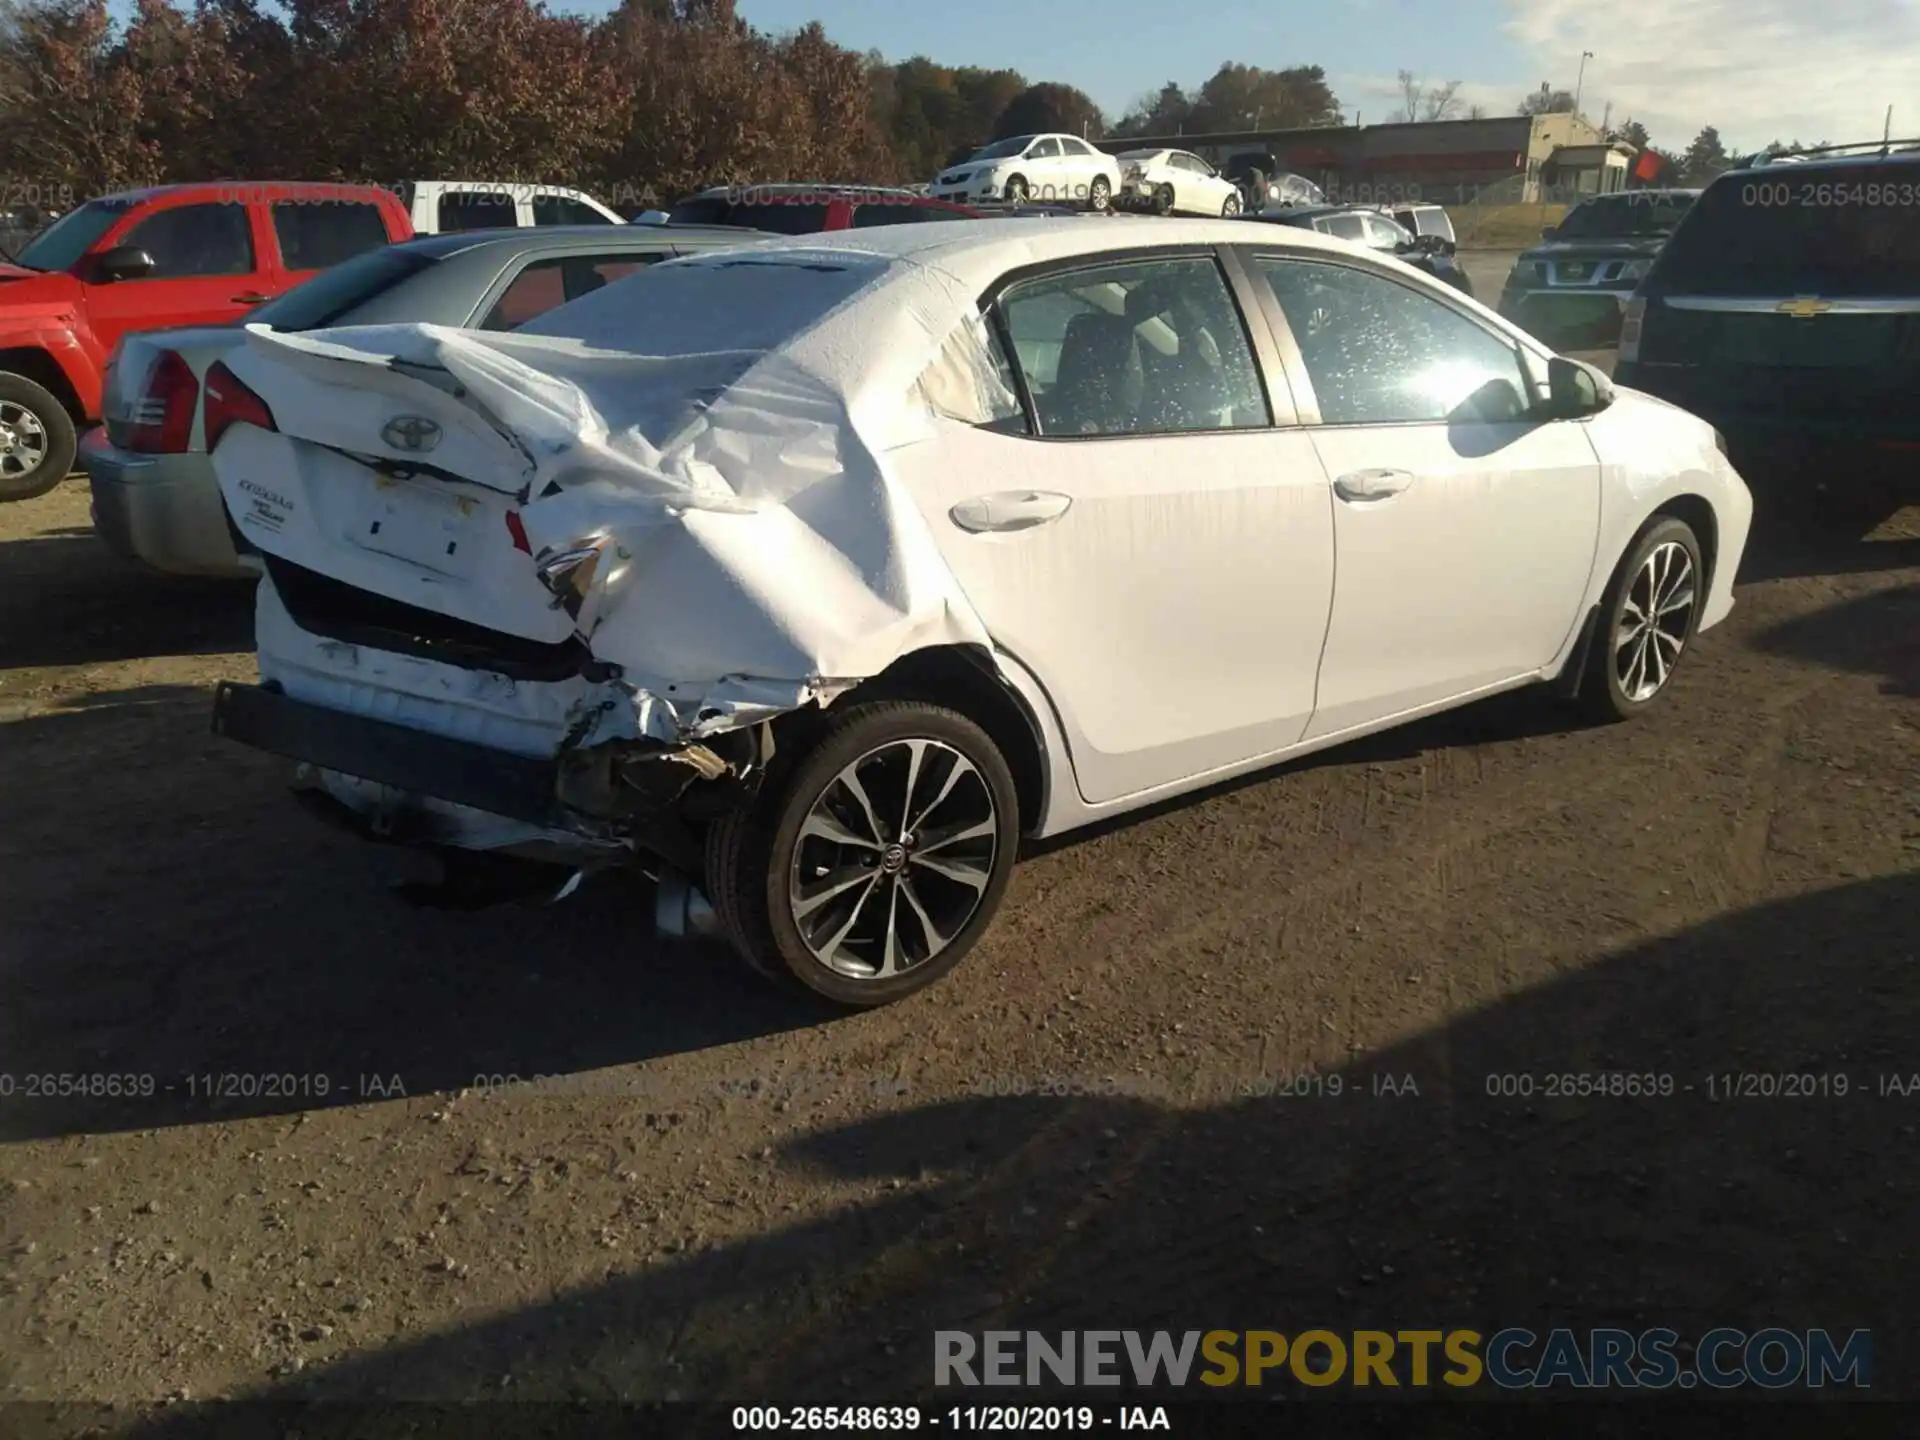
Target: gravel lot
[735, 1194]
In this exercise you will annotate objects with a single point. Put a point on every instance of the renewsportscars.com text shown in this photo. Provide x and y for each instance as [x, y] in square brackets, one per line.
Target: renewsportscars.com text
[1510, 1359]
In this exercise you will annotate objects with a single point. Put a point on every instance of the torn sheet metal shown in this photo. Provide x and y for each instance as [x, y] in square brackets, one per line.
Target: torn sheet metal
[734, 476]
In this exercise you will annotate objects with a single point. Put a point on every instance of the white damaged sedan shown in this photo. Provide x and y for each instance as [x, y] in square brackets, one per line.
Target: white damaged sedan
[811, 576]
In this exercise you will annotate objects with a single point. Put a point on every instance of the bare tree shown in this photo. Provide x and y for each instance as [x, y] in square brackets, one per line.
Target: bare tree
[1442, 102]
[1422, 102]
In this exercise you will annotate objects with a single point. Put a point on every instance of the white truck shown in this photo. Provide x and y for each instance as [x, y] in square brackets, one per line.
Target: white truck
[440, 207]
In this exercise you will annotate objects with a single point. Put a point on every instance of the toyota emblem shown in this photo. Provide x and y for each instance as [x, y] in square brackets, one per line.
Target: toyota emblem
[411, 432]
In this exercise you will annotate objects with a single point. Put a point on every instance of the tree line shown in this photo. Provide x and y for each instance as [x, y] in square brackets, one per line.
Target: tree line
[639, 106]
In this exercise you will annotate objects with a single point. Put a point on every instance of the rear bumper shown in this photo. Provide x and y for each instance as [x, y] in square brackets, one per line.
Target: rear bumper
[162, 510]
[516, 787]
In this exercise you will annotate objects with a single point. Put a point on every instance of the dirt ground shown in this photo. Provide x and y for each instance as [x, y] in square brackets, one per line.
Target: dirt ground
[733, 1194]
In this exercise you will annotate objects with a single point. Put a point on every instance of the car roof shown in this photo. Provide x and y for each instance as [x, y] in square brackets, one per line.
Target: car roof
[570, 237]
[981, 250]
[1662, 192]
[1826, 162]
[796, 190]
[237, 189]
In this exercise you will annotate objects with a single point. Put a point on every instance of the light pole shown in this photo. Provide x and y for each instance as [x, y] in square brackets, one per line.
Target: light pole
[1580, 80]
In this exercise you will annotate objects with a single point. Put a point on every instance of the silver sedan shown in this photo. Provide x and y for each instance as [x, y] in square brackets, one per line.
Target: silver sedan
[155, 498]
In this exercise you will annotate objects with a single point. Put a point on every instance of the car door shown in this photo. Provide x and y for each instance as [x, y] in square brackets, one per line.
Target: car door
[208, 268]
[1082, 163]
[1128, 519]
[1464, 527]
[1047, 177]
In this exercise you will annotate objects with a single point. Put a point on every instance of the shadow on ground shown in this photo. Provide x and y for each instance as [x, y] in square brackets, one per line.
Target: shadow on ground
[69, 600]
[1876, 634]
[184, 919]
[1683, 1209]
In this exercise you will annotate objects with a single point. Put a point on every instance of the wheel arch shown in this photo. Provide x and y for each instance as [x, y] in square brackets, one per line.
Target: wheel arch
[1697, 513]
[30, 362]
[967, 679]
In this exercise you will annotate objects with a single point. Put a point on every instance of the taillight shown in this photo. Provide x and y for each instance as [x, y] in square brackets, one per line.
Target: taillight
[163, 415]
[231, 403]
[1631, 320]
[518, 531]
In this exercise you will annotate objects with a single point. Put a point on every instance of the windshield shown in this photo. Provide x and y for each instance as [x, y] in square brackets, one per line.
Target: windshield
[61, 244]
[1005, 149]
[328, 296]
[1757, 237]
[1622, 217]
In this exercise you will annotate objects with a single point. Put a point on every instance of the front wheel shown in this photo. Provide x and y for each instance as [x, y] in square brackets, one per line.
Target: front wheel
[870, 868]
[1100, 195]
[1017, 191]
[37, 439]
[1647, 620]
[1230, 208]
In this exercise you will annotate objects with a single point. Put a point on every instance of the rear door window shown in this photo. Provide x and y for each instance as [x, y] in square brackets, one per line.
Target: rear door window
[565, 210]
[1827, 231]
[477, 210]
[546, 284]
[316, 234]
[1345, 227]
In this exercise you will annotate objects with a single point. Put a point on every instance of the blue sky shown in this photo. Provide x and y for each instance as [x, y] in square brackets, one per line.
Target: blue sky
[1119, 49]
[1757, 69]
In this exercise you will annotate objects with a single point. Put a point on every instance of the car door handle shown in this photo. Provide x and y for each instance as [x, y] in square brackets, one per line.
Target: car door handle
[1009, 510]
[1372, 484]
[252, 297]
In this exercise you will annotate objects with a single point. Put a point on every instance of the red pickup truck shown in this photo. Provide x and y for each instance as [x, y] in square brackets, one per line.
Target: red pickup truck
[145, 260]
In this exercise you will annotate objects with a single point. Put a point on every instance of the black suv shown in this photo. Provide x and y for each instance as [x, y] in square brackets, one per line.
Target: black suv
[1786, 311]
[1574, 285]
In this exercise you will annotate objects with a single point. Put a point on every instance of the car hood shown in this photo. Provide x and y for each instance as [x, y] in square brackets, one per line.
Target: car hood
[1637, 247]
[20, 286]
[760, 553]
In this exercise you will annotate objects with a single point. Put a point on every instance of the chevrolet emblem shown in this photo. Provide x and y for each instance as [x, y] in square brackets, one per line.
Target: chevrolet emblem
[1803, 309]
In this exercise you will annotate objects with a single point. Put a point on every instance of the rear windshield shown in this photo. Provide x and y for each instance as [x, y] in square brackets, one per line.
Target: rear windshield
[730, 300]
[61, 244]
[776, 217]
[327, 297]
[1830, 231]
[1621, 217]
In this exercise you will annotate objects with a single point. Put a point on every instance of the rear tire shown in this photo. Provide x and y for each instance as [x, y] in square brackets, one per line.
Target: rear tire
[37, 439]
[1163, 199]
[867, 901]
[1100, 195]
[1648, 617]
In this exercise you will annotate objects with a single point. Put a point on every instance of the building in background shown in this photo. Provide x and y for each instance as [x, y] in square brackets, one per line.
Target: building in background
[1513, 159]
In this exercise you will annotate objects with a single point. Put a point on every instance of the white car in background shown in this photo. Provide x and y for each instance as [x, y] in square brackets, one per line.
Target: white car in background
[439, 207]
[1063, 169]
[1175, 182]
[818, 572]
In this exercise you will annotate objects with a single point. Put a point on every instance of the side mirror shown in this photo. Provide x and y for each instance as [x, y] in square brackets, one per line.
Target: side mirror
[1575, 391]
[1547, 232]
[123, 262]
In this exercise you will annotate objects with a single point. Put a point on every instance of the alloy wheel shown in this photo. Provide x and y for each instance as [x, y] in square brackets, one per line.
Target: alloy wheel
[1656, 621]
[23, 441]
[893, 859]
[1231, 207]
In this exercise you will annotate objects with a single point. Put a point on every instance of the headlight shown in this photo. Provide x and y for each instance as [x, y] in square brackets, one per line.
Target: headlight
[1633, 270]
[1524, 272]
